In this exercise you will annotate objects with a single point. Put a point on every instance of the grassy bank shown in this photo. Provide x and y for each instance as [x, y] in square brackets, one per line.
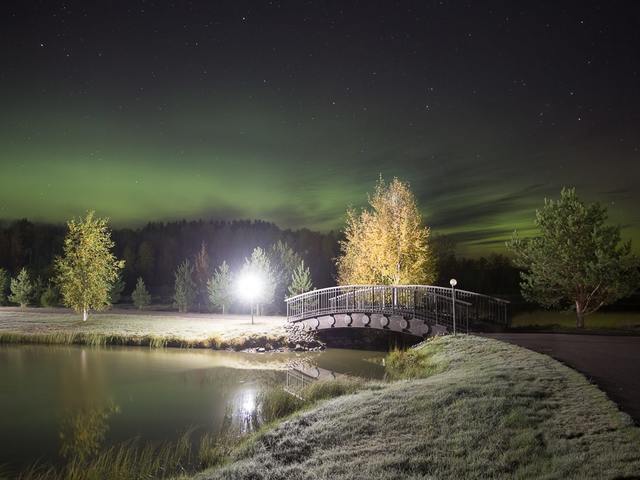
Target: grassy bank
[483, 409]
[132, 328]
[133, 460]
[566, 321]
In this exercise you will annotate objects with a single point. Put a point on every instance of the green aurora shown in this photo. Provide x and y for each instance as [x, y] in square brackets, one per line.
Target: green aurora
[145, 121]
[54, 168]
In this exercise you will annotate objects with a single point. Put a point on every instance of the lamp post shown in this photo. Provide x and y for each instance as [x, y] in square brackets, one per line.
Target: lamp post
[453, 282]
[250, 287]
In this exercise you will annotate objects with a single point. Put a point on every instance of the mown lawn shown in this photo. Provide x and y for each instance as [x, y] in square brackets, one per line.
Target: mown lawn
[132, 327]
[567, 320]
[485, 409]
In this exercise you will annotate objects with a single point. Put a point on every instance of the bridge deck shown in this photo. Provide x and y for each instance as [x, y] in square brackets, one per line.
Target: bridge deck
[420, 310]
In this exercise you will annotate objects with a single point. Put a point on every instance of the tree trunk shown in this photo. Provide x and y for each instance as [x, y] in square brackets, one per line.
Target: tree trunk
[579, 315]
[222, 309]
[85, 314]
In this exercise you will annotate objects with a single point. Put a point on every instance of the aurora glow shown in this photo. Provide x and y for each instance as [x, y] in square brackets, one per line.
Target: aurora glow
[289, 113]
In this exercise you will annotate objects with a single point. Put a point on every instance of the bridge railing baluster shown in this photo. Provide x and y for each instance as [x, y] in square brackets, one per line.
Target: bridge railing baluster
[429, 303]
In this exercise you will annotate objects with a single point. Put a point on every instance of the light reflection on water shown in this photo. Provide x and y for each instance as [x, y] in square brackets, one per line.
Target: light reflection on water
[151, 394]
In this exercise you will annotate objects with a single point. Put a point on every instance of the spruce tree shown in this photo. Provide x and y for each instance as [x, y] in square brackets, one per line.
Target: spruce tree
[185, 288]
[300, 280]
[21, 289]
[140, 295]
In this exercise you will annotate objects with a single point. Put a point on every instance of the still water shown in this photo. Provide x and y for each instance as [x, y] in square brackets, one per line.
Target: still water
[137, 392]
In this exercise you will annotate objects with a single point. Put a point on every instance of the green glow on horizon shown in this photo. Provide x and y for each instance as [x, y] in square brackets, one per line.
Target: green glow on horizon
[238, 162]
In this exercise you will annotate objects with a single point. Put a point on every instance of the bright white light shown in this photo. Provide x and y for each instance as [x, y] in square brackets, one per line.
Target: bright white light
[453, 282]
[250, 286]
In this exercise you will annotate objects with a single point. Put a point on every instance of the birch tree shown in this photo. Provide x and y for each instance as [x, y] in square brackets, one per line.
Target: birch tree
[388, 243]
[87, 269]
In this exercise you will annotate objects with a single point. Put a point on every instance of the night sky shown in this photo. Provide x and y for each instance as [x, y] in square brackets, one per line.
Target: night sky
[289, 111]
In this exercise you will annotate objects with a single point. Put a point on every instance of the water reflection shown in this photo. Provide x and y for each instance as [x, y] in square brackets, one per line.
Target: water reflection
[82, 433]
[245, 416]
[155, 394]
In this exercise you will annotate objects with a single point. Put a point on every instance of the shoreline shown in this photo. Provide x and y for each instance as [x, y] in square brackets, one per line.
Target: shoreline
[151, 329]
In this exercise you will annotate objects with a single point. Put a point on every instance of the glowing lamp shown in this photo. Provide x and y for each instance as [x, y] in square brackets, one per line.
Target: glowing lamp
[250, 287]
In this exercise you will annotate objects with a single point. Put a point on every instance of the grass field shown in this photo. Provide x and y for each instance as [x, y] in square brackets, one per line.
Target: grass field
[542, 319]
[131, 327]
[484, 409]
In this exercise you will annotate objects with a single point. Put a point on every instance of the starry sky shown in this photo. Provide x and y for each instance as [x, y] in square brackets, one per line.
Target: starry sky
[289, 111]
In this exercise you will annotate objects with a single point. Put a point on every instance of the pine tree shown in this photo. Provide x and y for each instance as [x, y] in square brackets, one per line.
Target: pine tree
[87, 270]
[140, 295]
[576, 261]
[185, 288]
[21, 289]
[201, 275]
[219, 287]
[4, 285]
[387, 244]
[300, 280]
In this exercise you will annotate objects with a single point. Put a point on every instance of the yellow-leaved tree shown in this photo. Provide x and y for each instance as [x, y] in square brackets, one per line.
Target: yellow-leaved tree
[387, 243]
[87, 270]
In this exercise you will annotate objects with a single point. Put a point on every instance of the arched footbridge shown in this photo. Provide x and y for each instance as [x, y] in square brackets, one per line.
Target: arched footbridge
[419, 310]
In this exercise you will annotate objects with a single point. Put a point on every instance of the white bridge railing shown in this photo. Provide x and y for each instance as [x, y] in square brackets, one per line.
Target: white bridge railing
[430, 303]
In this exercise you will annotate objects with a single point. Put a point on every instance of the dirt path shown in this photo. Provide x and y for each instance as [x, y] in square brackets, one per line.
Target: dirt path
[612, 362]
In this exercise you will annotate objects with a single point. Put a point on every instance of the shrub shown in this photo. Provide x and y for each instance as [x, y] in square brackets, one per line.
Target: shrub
[49, 297]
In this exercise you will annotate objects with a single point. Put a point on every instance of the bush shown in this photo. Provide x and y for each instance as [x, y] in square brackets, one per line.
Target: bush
[49, 297]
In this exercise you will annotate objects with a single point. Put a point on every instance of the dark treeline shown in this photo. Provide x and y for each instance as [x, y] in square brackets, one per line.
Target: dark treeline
[153, 252]
[491, 275]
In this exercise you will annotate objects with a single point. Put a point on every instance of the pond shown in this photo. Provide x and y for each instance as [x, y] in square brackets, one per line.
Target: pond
[48, 391]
